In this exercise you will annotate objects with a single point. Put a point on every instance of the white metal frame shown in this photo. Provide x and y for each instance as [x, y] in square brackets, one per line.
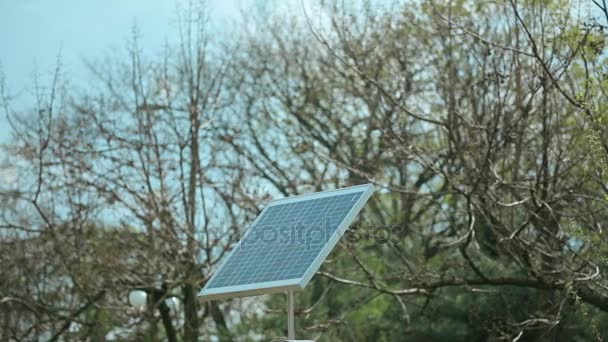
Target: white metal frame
[294, 284]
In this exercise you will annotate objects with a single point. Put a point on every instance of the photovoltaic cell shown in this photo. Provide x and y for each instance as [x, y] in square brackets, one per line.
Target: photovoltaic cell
[287, 238]
[285, 241]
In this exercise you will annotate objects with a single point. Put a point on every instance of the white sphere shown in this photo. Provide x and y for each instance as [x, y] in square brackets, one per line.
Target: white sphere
[138, 299]
[45, 336]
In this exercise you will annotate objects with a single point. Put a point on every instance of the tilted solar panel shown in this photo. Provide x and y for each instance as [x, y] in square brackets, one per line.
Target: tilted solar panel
[287, 243]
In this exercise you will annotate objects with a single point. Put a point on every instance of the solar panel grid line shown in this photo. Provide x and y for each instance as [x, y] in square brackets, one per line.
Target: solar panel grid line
[286, 243]
[247, 264]
[333, 239]
[227, 259]
[262, 257]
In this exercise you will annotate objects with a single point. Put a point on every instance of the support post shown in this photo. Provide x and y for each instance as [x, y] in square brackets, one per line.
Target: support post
[291, 326]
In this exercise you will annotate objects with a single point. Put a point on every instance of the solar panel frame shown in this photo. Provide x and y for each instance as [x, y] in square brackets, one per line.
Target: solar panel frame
[293, 284]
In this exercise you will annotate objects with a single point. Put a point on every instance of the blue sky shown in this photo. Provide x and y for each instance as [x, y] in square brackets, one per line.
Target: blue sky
[33, 32]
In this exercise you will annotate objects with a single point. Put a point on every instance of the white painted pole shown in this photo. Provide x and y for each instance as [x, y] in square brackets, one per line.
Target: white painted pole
[291, 326]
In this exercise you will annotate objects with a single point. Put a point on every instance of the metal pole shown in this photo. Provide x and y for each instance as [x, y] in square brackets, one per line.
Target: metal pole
[291, 326]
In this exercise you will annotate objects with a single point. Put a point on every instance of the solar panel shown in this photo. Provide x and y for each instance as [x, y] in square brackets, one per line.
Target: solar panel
[287, 243]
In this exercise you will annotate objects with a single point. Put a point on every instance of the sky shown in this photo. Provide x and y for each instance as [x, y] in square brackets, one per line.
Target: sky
[34, 32]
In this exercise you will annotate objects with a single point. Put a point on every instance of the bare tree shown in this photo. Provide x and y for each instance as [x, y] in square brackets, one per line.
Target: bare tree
[133, 189]
[450, 111]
